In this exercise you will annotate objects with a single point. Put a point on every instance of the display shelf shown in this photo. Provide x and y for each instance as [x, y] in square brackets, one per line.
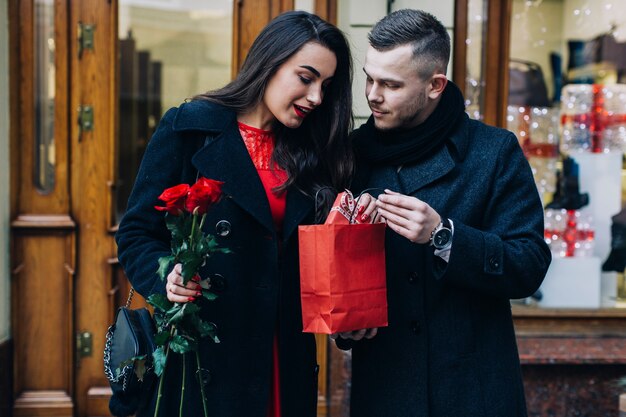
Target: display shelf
[533, 321]
[570, 336]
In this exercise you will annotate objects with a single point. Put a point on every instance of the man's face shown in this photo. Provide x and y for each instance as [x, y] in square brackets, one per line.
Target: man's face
[397, 96]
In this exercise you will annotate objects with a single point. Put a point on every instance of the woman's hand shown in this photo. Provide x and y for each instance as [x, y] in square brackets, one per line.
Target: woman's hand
[366, 210]
[356, 334]
[176, 292]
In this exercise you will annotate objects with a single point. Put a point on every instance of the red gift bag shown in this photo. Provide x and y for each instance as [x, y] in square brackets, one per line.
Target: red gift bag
[342, 277]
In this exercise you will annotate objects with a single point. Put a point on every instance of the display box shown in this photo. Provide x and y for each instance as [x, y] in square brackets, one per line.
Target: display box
[572, 283]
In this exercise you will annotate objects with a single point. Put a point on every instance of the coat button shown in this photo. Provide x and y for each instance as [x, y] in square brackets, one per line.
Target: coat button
[218, 283]
[223, 228]
[413, 277]
[494, 263]
[415, 326]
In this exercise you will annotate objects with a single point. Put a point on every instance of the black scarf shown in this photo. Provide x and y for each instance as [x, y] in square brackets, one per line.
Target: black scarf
[400, 147]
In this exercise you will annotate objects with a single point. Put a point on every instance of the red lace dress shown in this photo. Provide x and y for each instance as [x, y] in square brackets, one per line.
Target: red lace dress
[260, 144]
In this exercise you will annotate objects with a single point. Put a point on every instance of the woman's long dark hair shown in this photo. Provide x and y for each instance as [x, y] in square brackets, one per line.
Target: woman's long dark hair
[317, 155]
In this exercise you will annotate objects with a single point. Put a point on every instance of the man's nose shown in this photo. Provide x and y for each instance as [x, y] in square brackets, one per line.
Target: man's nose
[373, 94]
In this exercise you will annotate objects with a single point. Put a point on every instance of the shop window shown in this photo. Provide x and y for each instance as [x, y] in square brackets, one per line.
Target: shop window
[475, 50]
[44, 96]
[168, 51]
[567, 107]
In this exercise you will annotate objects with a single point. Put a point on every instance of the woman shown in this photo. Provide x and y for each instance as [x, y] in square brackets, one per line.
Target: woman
[277, 137]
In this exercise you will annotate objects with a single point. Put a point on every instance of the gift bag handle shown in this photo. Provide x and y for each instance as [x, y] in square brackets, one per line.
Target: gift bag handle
[356, 200]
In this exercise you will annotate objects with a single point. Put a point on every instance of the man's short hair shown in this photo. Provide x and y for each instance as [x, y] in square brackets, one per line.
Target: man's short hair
[423, 31]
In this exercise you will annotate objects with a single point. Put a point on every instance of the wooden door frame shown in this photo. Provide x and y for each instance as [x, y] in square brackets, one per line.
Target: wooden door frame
[495, 74]
[42, 232]
[94, 83]
[496, 66]
[250, 16]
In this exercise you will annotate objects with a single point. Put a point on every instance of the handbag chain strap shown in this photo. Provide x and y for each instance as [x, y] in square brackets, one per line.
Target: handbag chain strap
[130, 297]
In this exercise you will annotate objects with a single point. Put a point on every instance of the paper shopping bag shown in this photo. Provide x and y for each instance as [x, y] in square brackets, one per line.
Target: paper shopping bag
[342, 277]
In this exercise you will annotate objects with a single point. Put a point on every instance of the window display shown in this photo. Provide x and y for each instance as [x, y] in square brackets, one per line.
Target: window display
[567, 106]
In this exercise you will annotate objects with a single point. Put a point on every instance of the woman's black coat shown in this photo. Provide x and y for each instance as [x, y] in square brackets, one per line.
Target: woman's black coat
[261, 295]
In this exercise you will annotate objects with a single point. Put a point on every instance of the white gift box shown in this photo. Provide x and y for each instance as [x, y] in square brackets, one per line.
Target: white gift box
[601, 177]
[572, 283]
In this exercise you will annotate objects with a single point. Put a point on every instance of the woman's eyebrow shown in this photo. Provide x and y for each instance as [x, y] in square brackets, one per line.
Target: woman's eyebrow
[310, 68]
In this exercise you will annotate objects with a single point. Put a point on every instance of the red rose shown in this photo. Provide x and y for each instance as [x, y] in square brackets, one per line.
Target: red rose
[203, 194]
[174, 199]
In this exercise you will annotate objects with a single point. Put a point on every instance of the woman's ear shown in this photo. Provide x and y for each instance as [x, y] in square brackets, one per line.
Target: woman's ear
[437, 84]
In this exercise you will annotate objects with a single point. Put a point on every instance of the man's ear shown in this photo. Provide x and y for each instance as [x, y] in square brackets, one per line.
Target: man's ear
[437, 84]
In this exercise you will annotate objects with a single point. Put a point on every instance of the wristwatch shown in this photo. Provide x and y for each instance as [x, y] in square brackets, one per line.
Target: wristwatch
[441, 236]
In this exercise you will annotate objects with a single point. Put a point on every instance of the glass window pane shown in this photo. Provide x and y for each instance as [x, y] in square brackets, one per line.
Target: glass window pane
[567, 60]
[556, 44]
[474, 82]
[44, 95]
[168, 51]
[306, 5]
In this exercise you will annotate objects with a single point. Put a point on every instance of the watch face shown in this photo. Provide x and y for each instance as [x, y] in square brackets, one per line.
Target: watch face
[442, 238]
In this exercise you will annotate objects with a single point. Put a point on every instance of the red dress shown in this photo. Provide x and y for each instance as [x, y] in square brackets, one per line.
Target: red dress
[260, 145]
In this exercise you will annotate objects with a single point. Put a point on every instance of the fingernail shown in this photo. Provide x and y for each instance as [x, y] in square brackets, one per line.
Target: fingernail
[199, 293]
[364, 217]
[196, 278]
[199, 287]
[360, 209]
[191, 299]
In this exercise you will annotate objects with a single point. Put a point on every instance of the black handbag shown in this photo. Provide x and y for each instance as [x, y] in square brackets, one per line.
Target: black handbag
[527, 87]
[130, 336]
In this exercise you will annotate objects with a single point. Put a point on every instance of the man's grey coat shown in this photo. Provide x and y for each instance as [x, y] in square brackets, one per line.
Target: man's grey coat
[450, 349]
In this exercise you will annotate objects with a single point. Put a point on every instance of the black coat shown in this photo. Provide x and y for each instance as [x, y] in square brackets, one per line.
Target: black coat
[261, 295]
[450, 348]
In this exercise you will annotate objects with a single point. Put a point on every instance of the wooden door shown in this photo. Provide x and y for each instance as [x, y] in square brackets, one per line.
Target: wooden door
[44, 231]
[88, 93]
[63, 166]
[93, 179]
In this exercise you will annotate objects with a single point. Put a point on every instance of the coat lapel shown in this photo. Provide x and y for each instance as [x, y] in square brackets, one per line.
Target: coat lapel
[414, 177]
[225, 158]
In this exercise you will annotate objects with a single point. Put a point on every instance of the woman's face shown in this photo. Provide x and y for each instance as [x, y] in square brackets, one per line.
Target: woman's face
[298, 86]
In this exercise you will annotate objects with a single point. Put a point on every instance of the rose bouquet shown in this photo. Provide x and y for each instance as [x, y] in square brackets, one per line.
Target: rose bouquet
[179, 326]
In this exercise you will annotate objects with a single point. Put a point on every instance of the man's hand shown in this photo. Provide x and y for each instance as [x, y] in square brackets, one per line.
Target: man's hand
[408, 216]
[357, 334]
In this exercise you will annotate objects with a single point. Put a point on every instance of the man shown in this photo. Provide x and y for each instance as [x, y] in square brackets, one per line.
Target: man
[465, 235]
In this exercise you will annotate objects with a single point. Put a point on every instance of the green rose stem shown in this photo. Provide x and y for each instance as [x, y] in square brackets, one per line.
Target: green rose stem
[193, 227]
[204, 405]
[194, 216]
[161, 379]
[206, 413]
[202, 221]
[182, 388]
